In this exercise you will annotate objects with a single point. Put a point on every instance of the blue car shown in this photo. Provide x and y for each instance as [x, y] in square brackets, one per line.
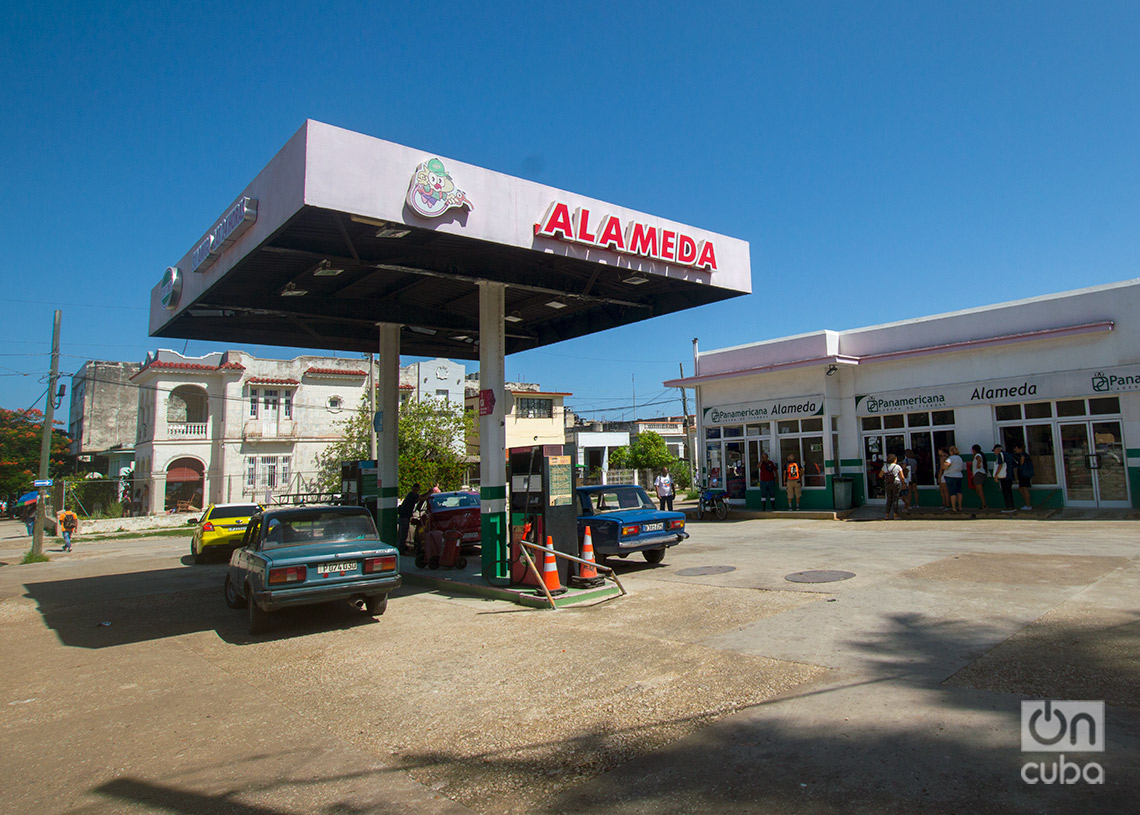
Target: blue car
[307, 555]
[622, 519]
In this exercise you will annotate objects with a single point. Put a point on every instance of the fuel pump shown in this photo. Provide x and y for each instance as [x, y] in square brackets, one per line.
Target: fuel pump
[358, 485]
[543, 501]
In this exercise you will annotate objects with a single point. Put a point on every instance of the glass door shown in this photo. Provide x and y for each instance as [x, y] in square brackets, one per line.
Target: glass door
[735, 478]
[875, 450]
[1092, 455]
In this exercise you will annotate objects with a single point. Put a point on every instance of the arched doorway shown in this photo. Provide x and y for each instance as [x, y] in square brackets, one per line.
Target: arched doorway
[185, 484]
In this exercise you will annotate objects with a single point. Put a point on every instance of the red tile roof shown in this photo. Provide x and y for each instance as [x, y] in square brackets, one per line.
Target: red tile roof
[190, 366]
[335, 372]
[267, 380]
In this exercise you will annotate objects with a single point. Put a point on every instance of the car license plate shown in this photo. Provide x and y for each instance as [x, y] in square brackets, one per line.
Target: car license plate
[470, 536]
[657, 527]
[341, 567]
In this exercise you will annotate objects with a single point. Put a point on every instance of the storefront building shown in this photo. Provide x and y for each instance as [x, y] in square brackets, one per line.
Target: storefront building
[1059, 374]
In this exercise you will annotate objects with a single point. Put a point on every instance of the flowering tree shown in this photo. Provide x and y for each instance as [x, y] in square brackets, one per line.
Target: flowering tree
[20, 435]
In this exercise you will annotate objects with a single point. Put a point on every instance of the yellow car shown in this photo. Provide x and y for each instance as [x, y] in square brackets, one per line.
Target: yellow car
[220, 529]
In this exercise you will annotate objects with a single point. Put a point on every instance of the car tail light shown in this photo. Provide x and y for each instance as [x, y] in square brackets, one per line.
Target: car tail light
[677, 524]
[207, 527]
[380, 564]
[288, 574]
[632, 529]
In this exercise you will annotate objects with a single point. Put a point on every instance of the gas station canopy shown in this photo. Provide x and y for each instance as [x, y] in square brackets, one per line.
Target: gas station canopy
[342, 231]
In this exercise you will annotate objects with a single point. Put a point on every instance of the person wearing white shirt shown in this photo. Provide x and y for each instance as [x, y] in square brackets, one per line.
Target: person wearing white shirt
[664, 486]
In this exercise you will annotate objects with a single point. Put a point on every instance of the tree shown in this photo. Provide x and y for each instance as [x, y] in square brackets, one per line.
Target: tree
[20, 436]
[432, 439]
[648, 451]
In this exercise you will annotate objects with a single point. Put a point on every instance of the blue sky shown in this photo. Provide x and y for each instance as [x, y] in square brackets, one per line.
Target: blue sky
[884, 160]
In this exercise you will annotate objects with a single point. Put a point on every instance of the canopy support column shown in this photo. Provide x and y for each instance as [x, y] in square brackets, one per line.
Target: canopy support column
[495, 522]
[387, 446]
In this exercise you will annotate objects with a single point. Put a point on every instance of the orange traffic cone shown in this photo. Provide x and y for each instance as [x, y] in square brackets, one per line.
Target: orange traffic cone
[587, 576]
[550, 569]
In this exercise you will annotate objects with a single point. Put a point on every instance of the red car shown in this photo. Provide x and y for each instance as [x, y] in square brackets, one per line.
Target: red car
[451, 510]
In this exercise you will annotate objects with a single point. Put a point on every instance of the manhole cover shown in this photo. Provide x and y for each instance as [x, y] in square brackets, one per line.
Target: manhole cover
[819, 576]
[699, 570]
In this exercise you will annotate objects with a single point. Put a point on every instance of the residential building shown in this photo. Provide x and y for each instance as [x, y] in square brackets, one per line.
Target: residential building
[103, 416]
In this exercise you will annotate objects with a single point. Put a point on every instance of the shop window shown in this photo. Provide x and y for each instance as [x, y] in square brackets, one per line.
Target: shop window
[1071, 407]
[1007, 413]
[1038, 410]
[791, 426]
[814, 425]
[756, 448]
[893, 421]
[918, 419]
[757, 430]
[1037, 440]
[942, 417]
[922, 442]
[712, 432]
[733, 432]
[1107, 404]
[808, 451]
[872, 423]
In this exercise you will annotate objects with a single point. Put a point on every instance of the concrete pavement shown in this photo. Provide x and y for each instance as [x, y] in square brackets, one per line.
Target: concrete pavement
[896, 690]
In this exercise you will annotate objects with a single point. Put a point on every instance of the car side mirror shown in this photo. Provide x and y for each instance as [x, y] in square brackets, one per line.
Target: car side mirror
[192, 522]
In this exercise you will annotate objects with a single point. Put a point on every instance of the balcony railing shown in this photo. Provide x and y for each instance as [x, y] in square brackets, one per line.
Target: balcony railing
[186, 430]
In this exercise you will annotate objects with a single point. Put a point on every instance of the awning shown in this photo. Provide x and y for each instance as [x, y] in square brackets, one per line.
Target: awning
[182, 474]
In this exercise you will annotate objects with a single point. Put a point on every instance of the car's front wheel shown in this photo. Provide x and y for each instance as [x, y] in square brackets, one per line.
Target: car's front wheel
[376, 605]
[233, 599]
[258, 617]
[654, 555]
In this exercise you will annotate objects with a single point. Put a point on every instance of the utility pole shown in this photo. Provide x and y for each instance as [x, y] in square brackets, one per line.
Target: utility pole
[45, 441]
[685, 426]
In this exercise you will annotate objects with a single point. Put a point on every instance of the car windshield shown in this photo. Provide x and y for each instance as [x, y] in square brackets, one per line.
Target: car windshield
[235, 511]
[454, 501]
[620, 498]
[318, 527]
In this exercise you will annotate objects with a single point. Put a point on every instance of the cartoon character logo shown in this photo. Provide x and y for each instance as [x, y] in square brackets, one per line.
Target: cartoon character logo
[432, 192]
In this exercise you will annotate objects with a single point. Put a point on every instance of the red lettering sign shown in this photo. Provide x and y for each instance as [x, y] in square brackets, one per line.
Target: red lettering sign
[634, 239]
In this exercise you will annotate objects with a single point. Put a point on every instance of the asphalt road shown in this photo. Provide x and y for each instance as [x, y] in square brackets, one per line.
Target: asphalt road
[128, 685]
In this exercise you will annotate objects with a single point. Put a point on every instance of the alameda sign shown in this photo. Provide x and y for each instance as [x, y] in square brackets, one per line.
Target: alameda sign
[632, 238]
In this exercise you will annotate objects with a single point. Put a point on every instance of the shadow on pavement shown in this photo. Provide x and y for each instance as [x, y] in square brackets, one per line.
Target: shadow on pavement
[159, 798]
[108, 610]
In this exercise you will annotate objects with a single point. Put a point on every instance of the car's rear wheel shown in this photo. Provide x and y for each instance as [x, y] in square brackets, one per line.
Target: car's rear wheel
[654, 555]
[376, 605]
[258, 617]
[233, 599]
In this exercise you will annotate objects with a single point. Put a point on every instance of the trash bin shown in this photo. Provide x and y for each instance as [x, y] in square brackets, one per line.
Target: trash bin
[841, 491]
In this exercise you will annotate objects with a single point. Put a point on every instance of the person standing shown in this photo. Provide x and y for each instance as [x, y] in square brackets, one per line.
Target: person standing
[404, 514]
[768, 477]
[1003, 474]
[954, 470]
[664, 486]
[893, 480]
[792, 482]
[1024, 468]
[910, 470]
[978, 474]
[30, 520]
[940, 470]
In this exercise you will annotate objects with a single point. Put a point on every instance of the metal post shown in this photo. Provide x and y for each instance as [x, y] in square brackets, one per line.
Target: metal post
[387, 445]
[45, 440]
[495, 527]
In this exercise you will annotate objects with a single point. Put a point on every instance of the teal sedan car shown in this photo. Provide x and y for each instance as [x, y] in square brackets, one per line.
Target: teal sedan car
[302, 556]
